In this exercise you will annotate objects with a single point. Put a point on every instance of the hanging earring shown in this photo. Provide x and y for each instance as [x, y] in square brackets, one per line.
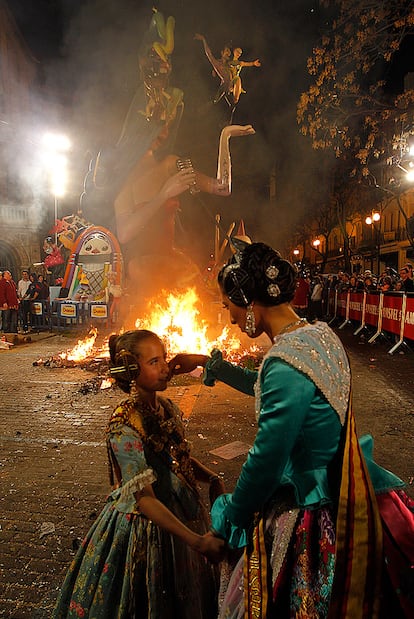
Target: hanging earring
[250, 327]
[133, 391]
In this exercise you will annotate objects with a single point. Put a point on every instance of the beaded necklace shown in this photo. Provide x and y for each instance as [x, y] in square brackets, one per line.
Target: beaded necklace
[164, 436]
[296, 323]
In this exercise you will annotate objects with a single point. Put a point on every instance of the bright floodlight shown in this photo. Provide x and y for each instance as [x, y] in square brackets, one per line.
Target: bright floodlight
[55, 147]
[316, 243]
[56, 142]
[369, 220]
[376, 216]
[296, 252]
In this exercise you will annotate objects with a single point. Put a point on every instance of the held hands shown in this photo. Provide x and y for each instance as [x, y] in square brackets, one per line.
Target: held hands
[212, 547]
[184, 363]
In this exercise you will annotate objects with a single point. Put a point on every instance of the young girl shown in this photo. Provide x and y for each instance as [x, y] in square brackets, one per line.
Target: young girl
[146, 555]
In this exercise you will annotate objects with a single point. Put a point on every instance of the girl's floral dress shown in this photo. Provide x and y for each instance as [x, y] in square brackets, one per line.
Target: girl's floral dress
[127, 567]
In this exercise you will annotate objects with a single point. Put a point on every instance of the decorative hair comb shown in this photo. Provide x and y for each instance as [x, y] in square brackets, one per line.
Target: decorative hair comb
[130, 369]
[124, 369]
[272, 273]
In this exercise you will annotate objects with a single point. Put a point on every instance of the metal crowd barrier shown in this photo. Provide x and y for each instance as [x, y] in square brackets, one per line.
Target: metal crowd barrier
[78, 314]
[389, 313]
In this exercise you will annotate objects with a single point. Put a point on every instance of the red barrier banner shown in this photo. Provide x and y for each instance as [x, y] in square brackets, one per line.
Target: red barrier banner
[355, 306]
[372, 309]
[392, 313]
[341, 306]
[409, 319]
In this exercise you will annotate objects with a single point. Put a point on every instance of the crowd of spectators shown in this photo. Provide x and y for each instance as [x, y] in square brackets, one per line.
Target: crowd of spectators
[389, 280]
[311, 299]
[16, 309]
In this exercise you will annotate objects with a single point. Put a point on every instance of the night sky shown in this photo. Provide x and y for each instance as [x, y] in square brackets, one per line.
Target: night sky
[88, 57]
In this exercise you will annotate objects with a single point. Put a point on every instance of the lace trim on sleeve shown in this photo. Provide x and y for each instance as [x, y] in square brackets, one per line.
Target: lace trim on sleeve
[136, 484]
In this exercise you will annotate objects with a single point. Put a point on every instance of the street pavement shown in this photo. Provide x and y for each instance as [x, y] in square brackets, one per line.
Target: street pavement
[53, 470]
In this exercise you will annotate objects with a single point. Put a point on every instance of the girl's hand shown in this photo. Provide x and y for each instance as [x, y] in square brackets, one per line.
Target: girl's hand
[211, 547]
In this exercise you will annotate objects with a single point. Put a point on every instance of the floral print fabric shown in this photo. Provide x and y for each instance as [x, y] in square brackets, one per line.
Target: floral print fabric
[127, 567]
[302, 587]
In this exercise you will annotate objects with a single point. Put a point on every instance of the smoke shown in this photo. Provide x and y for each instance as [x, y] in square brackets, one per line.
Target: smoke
[97, 68]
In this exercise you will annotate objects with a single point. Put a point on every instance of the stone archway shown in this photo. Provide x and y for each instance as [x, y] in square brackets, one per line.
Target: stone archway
[9, 260]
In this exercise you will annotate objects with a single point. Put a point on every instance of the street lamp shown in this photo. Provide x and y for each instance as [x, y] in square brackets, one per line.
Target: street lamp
[316, 243]
[55, 148]
[371, 220]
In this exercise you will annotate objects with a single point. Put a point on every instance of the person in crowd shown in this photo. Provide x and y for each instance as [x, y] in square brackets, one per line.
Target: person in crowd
[355, 283]
[146, 555]
[407, 281]
[44, 292]
[369, 285]
[301, 299]
[32, 294]
[44, 297]
[409, 266]
[315, 310]
[385, 284]
[22, 286]
[316, 539]
[9, 302]
[343, 282]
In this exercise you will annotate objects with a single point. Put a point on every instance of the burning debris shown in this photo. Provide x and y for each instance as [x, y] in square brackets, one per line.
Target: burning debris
[178, 323]
[85, 355]
[95, 385]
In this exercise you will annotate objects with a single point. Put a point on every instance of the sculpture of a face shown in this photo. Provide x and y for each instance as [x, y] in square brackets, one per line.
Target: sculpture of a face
[95, 245]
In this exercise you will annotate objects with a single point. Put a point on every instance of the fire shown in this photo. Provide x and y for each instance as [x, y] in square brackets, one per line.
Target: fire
[83, 349]
[178, 323]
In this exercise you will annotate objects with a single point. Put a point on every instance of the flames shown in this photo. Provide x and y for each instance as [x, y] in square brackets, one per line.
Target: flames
[177, 322]
[83, 349]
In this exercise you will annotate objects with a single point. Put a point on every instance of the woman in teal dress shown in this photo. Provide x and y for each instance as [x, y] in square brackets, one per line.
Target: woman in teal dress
[149, 554]
[317, 542]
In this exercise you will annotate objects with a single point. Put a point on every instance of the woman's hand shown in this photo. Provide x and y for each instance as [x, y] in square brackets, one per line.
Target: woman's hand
[184, 363]
[212, 547]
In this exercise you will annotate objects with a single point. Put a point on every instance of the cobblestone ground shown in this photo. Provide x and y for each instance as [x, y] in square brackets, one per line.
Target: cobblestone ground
[53, 472]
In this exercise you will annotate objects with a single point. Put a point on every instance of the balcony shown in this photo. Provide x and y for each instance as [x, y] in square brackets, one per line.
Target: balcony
[14, 215]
